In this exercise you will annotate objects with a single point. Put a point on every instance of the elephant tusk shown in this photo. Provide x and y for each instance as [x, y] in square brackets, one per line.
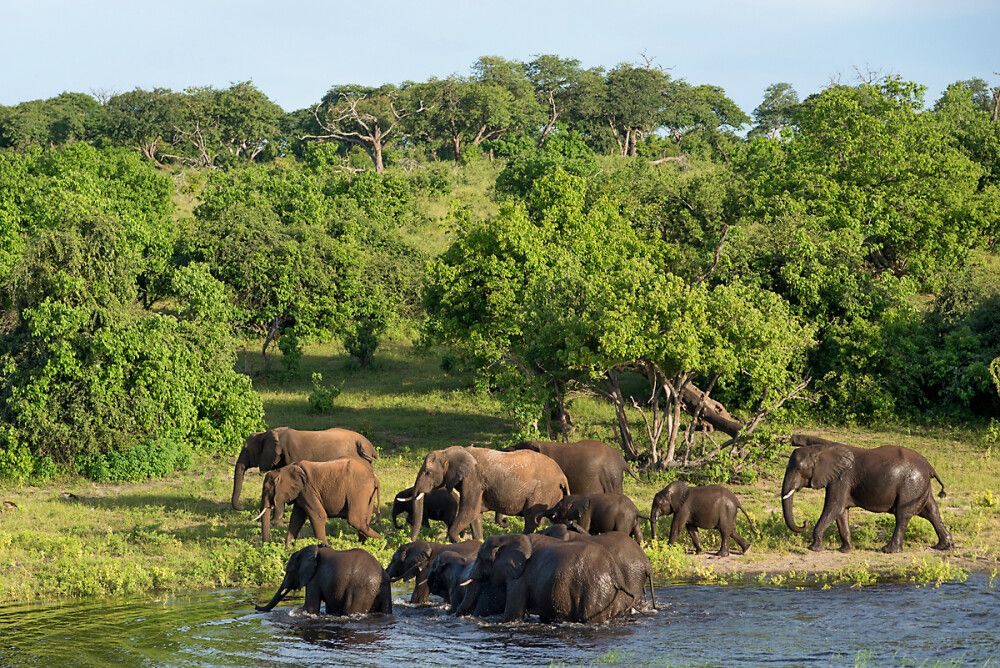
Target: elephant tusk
[404, 499]
[421, 582]
[466, 583]
[418, 496]
[788, 495]
[259, 515]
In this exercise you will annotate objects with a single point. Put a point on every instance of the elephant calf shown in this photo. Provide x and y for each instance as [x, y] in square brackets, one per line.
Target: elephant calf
[708, 507]
[598, 513]
[412, 560]
[344, 488]
[439, 504]
[346, 582]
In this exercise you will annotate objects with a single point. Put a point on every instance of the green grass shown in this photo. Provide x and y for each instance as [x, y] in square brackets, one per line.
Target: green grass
[179, 534]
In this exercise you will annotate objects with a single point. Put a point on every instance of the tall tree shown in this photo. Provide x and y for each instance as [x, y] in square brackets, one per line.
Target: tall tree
[776, 109]
[633, 103]
[143, 120]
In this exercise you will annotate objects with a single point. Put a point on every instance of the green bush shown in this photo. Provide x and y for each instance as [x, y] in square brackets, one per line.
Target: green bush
[322, 397]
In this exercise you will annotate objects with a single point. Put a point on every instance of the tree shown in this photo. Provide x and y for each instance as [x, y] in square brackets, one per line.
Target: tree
[143, 120]
[248, 120]
[501, 100]
[776, 110]
[569, 92]
[59, 120]
[633, 103]
[369, 118]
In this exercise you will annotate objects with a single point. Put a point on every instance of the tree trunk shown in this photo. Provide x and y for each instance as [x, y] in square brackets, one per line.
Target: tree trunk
[713, 412]
[377, 156]
[456, 146]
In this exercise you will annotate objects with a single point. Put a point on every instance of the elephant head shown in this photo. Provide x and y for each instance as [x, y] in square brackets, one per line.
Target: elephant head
[300, 570]
[280, 487]
[262, 450]
[570, 509]
[812, 466]
[499, 559]
[666, 502]
[408, 559]
[449, 468]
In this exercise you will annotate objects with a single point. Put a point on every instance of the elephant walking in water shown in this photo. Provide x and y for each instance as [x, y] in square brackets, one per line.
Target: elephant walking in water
[889, 479]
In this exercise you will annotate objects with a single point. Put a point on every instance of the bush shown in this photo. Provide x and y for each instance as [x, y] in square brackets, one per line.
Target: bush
[322, 397]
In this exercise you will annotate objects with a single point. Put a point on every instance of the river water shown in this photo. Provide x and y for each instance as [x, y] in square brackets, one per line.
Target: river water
[956, 624]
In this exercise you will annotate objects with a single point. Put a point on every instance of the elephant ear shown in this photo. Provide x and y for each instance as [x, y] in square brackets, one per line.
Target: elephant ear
[308, 563]
[578, 507]
[272, 453]
[678, 494]
[291, 480]
[831, 462]
[513, 557]
[462, 470]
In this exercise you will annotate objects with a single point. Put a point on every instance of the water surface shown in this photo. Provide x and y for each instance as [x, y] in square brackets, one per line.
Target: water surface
[699, 625]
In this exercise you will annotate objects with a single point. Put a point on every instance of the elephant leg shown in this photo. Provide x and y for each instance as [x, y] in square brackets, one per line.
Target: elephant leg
[695, 539]
[679, 521]
[895, 543]
[845, 531]
[311, 604]
[830, 512]
[295, 523]
[468, 514]
[477, 528]
[741, 541]
[360, 521]
[724, 534]
[517, 600]
[319, 526]
[931, 514]
[533, 517]
[501, 520]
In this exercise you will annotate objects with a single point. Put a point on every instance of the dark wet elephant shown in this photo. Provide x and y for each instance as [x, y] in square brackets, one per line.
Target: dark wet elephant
[344, 488]
[705, 507]
[520, 483]
[281, 446]
[346, 582]
[888, 479]
[439, 504]
[631, 557]
[598, 513]
[413, 560]
[591, 467]
[575, 581]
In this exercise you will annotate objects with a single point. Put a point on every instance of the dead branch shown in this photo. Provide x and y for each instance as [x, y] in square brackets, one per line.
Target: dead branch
[715, 256]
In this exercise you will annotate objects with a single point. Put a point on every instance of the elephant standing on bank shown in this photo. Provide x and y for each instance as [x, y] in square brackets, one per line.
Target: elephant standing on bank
[521, 483]
[344, 488]
[889, 479]
[704, 507]
[591, 467]
[346, 582]
[281, 446]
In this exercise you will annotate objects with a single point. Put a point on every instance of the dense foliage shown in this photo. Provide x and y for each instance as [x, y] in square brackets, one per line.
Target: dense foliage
[642, 250]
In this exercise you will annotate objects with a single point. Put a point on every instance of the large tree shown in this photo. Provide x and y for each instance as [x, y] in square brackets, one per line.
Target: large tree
[633, 106]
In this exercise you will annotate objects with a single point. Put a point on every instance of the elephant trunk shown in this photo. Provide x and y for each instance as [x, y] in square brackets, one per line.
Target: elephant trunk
[417, 516]
[788, 488]
[275, 600]
[241, 469]
[265, 525]
[654, 515]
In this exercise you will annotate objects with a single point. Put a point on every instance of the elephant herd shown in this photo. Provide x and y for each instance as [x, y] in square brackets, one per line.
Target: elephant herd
[587, 566]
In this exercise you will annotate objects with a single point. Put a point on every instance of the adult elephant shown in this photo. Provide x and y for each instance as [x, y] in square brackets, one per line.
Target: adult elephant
[591, 467]
[888, 479]
[346, 582]
[413, 560]
[281, 446]
[574, 581]
[522, 483]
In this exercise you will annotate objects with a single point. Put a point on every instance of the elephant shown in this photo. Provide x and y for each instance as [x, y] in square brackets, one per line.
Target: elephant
[439, 504]
[347, 582]
[706, 507]
[630, 555]
[574, 581]
[280, 446]
[412, 560]
[591, 467]
[445, 574]
[523, 483]
[598, 513]
[344, 488]
[887, 479]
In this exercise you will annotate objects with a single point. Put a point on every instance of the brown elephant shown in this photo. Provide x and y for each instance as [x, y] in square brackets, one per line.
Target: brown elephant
[412, 560]
[522, 483]
[889, 479]
[591, 467]
[598, 513]
[574, 581]
[705, 507]
[280, 446]
[344, 488]
[346, 582]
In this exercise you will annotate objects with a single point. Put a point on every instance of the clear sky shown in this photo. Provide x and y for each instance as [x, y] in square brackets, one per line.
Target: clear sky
[295, 50]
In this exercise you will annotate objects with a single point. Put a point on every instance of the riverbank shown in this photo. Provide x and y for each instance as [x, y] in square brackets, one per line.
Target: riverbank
[80, 539]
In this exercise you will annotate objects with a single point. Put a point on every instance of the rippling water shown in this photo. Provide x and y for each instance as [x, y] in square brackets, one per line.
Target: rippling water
[699, 625]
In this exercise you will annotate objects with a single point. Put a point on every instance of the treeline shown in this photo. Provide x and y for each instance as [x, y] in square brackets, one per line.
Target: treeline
[836, 262]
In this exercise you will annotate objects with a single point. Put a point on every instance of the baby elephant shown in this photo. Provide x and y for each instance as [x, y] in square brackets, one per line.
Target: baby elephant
[598, 513]
[439, 504]
[346, 582]
[708, 507]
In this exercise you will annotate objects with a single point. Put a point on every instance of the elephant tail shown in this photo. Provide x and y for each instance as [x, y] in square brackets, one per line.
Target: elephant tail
[631, 472]
[377, 496]
[753, 527]
[942, 493]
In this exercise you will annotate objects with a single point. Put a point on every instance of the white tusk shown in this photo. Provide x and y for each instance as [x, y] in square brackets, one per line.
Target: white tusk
[259, 515]
[788, 495]
[466, 583]
[419, 496]
[421, 582]
[401, 499]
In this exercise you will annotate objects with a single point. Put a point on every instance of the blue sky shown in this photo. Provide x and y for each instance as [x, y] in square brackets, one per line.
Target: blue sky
[295, 49]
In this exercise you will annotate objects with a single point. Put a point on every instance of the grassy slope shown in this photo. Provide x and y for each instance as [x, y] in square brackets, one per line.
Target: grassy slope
[179, 534]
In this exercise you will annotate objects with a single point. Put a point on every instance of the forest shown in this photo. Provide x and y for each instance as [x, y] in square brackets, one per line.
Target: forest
[548, 234]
